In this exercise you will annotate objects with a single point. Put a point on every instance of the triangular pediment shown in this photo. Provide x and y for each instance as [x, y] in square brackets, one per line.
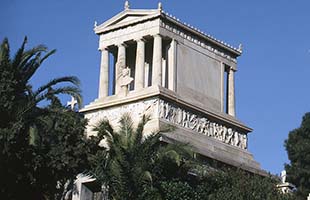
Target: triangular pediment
[124, 18]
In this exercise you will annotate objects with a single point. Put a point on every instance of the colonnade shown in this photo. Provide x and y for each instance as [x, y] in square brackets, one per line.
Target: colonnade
[139, 66]
[157, 73]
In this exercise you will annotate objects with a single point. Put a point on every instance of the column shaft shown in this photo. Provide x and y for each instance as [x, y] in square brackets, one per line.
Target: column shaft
[157, 61]
[140, 62]
[104, 74]
[231, 92]
[120, 65]
[172, 56]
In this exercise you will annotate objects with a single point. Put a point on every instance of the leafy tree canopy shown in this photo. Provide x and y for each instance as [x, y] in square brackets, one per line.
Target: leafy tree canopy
[298, 149]
[41, 148]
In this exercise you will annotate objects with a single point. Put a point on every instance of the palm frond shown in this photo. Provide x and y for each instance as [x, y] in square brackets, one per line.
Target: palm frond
[105, 130]
[71, 79]
[5, 51]
[28, 54]
[126, 130]
[139, 132]
[30, 68]
[48, 54]
[20, 52]
[135, 162]
[32, 65]
[73, 91]
[147, 177]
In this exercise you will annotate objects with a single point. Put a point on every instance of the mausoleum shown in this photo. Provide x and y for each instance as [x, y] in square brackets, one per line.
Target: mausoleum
[152, 63]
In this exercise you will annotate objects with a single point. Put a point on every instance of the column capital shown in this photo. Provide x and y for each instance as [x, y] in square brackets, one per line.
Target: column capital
[141, 39]
[174, 40]
[157, 35]
[103, 49]
[229, 69]
[121, 44]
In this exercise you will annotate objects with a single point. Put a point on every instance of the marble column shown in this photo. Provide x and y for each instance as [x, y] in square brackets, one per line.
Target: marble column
[104, 74]
[120, 65]
[172, 59]
[157, 61]
[140, 62]
[231, 92]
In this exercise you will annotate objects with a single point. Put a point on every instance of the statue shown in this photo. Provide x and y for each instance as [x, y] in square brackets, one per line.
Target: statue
[283, 176]
[229, 136]
[244, 141]
[236, 139]
[126, 6]
[125, 81]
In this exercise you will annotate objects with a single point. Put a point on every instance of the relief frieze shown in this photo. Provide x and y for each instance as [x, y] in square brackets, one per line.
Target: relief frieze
[202, 125]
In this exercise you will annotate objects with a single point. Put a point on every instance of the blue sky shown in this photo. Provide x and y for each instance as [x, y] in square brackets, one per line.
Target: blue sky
[272, 84]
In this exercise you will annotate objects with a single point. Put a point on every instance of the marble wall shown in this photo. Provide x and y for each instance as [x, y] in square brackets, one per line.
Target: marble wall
[199, 78]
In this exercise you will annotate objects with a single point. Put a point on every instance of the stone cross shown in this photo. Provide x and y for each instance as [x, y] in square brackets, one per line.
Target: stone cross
[72, 103]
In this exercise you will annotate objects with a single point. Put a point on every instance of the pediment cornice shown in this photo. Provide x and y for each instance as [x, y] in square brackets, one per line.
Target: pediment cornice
[133, 16]
[125, 18]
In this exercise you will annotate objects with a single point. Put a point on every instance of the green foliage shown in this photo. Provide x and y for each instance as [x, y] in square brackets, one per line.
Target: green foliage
[177, 190]
[232, 184]
[62, 149]
[40, 147]
[133, 165]
[17, 98]
[137, 168]
[298, 150]
[224, 185]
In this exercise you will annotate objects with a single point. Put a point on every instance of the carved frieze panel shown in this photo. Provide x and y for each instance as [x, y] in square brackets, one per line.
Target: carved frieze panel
[202, 125]
[113, 114]
[158, 108]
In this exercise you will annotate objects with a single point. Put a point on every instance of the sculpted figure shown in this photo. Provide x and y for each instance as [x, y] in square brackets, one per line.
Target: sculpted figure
[229, 136]
[167, 111]
[206, 126]
[216, 131]
[173, 114]
[179, 116]
[161, 109]
[125, 80]
[185, 119]
[244, 141]
[193, 122]
[211, 130]
[220, 132]
[224, 133]
[201, 125]
[236, 139]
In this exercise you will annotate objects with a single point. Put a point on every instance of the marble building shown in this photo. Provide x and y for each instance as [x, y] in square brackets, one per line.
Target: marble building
[152, 63]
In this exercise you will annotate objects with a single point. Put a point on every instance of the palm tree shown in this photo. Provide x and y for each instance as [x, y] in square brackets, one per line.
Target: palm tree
[20, 113]
[15, 77]
[132, 162]
[19, 102]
